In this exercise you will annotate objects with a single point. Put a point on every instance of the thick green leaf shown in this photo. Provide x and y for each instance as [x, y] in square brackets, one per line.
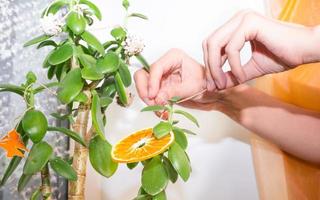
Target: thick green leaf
[70, 86]
[61, 54]
[87, 60]
[35, 125]
[139, 15]
[132, 165]
[100, 156]
[36, 194]
[60, 117]
[121, 90]
[62, 70]
[47, 43]
[161, 196]
[125, 4]
[37, 158]
[109, 90]
[62, 168]
[76, 23]
[36, 40]
[118, 33]
[172, 173]
[51, 72]
[143, 197]
[97, 118]
[23, 181]
[188, 116]
[93, 42]
[188, 131]
[154, 176]
[143, 61]
[180, 137]
[81, 97]
[91, 73]
[95, 10]
[105, 101]
[109, 63]
[153, 108]
[125, 74]
[12, 88]
[179, 161]
[55, 7]
[107, 44]
[73, 135]
[162, 129]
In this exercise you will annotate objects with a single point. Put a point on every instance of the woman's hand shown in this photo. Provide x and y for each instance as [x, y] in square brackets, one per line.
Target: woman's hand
[276, 46]
[174, 74]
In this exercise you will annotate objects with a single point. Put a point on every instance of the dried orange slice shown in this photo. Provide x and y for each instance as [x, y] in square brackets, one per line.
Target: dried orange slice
[140, 146]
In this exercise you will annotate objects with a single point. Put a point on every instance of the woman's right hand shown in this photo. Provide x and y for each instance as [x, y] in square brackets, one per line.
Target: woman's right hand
[276, 46]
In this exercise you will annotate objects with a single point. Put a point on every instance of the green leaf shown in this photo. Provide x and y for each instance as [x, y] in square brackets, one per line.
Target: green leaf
[125, 74]
[172, 173]
[121, 89]
[36, 40]
[139, 15]
[47, 43]
[180, 137]
[179, 161]
[55, 7]
[132, 165]
[87, 60]
[93, 42]
[105, 101]
[108, 88]
[35, 125]
[23, 181]
[100, 156]
[143, 61]
[107, 44]
[91, 73]
[154, 176]
[143, 197]
[37, 158]
[161, 196]
[70, 86]
[73, 135]
[62, 70]
[81, 98]
[95, 10]
[61, 54]
[188, 131]
[153, 108]
[162, 129]
[12, 88]
[31, 78]
[125, 4]
[62, 168]
[109, 63]
[36, 194]
[60, 117]
[51, 72]
[118, 33]
[188, 116]
[96, 115]
[76, 22]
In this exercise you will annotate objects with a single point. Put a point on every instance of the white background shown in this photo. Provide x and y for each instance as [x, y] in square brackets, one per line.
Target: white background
[220, 154]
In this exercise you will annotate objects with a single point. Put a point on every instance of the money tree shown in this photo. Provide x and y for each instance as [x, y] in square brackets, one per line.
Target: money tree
[87, 76]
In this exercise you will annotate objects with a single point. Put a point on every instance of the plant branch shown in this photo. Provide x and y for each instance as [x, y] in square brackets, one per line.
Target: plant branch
[45, 183]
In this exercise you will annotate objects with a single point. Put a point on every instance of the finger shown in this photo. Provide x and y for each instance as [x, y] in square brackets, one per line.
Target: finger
[166, 63]
[209, 80]
[141, 79]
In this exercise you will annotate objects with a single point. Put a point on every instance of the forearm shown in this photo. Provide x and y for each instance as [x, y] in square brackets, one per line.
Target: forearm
[293, 129]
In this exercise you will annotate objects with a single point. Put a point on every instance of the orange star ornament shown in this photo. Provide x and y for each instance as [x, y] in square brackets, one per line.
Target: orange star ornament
[12, 143]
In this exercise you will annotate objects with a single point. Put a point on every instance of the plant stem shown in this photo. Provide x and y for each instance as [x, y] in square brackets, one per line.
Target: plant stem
[45, 183]
[80, 156]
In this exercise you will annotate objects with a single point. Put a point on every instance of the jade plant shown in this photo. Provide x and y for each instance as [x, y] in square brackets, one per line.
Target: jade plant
[87, 76]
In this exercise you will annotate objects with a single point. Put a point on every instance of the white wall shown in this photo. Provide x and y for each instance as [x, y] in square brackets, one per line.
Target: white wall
[220, 154]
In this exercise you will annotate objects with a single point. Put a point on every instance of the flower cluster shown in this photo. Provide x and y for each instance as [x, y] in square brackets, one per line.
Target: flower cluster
[51, 24]
[133, 45]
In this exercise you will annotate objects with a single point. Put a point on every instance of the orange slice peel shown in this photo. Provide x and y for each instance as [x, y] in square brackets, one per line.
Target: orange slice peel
[140, 146]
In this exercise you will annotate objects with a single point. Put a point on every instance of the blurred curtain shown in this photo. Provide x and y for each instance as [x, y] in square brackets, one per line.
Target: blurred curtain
[279, 175]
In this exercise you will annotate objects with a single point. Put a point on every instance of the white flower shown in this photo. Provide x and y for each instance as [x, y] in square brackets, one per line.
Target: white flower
[133, 45]
[51, 24]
